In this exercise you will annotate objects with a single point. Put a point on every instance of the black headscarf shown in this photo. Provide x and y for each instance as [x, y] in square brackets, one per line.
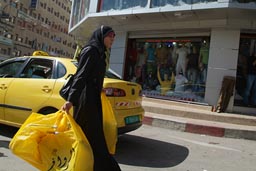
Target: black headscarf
[98, 36]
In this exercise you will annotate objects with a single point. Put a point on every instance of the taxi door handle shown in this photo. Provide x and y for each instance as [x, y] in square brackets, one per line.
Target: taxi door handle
[46, 89]
[3, 86]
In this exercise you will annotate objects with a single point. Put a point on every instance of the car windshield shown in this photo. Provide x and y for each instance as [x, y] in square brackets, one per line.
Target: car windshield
[109, 73]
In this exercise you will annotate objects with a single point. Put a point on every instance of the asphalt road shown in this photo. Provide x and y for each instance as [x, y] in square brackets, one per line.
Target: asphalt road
[157, 149]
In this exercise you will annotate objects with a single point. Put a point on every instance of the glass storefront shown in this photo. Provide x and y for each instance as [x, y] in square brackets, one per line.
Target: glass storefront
[169, 68]
[246, 72]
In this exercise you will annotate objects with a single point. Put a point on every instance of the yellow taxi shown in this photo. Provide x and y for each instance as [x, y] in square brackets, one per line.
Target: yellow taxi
[32, 83]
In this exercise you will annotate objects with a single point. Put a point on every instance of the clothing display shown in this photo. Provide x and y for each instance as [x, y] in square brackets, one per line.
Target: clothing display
[162, 54]
[165, 84]
[150, 54]
[180, 82]
[204, 54]
[250, 90]
[181, 65]
[167, 69]
[132, 59]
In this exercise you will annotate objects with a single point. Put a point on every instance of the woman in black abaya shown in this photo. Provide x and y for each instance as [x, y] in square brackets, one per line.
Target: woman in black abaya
[85, 96]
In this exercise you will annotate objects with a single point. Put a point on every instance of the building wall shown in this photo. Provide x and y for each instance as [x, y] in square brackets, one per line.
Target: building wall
[117, 57]
[42, 28]
[223, 56]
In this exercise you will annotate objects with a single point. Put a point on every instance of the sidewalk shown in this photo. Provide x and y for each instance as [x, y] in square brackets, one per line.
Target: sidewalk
[197, 119]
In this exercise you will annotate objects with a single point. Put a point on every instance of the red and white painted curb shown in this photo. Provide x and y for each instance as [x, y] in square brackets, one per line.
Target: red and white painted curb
[199, 128]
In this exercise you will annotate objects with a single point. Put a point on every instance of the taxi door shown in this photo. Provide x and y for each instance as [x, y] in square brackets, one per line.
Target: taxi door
[26, 95]
[8, 72]
[30, 91]
[4, 84]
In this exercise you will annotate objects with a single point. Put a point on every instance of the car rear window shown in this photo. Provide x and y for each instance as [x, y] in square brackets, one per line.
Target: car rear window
[108, 74]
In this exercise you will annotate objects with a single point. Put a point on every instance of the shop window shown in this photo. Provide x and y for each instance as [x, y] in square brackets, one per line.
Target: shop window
[169, 68]
[245, 94]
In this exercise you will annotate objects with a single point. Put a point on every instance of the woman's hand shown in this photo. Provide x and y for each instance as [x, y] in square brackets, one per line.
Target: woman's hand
[67, 106]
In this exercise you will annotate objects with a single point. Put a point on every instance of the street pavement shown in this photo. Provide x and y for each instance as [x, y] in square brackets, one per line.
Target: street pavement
[199, 119]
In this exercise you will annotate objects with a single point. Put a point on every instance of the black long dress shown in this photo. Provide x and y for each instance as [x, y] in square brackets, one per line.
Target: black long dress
[85, 95]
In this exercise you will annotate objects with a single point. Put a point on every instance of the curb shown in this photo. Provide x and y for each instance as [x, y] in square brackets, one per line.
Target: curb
[189, 112]
[184, 126]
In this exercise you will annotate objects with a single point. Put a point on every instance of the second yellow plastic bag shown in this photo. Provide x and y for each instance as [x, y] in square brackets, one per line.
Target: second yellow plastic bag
[53, 142]
[109, 124]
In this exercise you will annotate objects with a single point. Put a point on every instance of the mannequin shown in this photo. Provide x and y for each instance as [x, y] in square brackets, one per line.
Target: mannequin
[180, 82]
[166, 84]
[132, 59]
[150, 59]
[162, 54]
[192, 67]
[182, 53]
[204, 54]
[140, 65]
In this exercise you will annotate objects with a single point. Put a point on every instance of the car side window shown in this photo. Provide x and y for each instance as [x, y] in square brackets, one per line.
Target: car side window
[38, 68]
[61, 70]
[10, 69]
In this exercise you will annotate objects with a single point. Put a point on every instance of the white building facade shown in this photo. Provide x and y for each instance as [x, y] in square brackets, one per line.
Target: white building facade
[169, 40]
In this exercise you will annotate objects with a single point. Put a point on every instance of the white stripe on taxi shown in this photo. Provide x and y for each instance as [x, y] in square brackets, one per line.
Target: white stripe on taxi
[137, 103]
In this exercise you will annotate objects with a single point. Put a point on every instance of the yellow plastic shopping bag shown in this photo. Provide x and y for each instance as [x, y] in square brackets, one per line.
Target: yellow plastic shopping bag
[53, 142]
[109, 124]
